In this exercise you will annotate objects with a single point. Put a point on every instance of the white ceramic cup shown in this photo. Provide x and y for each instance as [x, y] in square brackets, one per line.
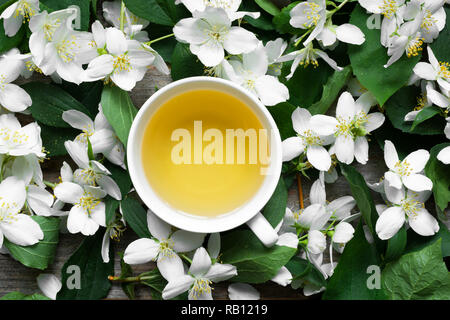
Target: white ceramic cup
[250, 211]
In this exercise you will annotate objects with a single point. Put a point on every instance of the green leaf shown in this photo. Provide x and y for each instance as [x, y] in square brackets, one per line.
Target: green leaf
[425, 114]
[396, 245]
[264, 22]
[111, 206]
[350, 278]
[275, 208]
[87, 93]
[118, 110]
[49, 103]
[135, 216]
[94, 283]
[361, 193]
[281, 20]
[368, 61]
[156, 11]
[418, 275]
[331, 91]
[268, 6]
[403, 102]
[254, 262]
[20, 296]
[417, 242]
[121, 177]
[41, 254]
[53, 139]
[282, 114]
[441, 46]
[184, 63]
[305, 86]
[439, 173]
[7, 43]
[305, 271]
[84, 5]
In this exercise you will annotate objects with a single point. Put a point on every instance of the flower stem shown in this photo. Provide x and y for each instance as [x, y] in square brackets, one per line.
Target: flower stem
[300, 191]
[339, 7]
[122, 16]
[182, 255]
[158, 39]
[130, 279]
[50, 184]
[302, 37]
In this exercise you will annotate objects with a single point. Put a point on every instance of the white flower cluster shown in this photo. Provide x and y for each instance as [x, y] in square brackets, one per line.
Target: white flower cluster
[313, 17]
[22, 188]
[405, 190]
[433, 75]
[249, 63]
[407, 25]
[312, 226]
[346, 133]
[166, 246]
[119, 54]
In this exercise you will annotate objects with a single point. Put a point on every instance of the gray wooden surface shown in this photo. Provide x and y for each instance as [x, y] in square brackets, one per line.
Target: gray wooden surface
[16, 277]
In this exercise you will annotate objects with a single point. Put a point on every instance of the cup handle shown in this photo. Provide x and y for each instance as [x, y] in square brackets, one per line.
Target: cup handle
[263, 230]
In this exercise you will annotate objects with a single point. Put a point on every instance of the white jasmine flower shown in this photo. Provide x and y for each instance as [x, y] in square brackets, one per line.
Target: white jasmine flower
[407, 39]
[123, 61]
[159, 62]
[49, 284]
[283, 277]
[392, 10]
[250, 72]
[310, 14]
[347, 33]
[132, 23]
[407, 206]
[209, 33]
[432, 14]
[230, 6]
[88, 211]
[100, 133]
[306, 56]
[243, 291]
[91, 172]
[343, 233]
[274, 50]
[352, 123]
[16, 140]
[434, 71]
[408, 171]
[18, 228]
[307, 140]
[423, 101]
[66, 53]
[339, 208]
[199, 277]
[12, 97]
[43, 27]
[14, 15]
[163, 247]
[317, 242]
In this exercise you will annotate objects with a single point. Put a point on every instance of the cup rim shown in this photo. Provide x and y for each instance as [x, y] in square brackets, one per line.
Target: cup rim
[194, 223]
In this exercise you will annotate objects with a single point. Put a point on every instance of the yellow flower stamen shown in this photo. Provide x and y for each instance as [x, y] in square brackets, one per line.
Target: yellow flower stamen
[122, 63]
[414, 47]
[200, 287]
[388, 8]
[312, 14]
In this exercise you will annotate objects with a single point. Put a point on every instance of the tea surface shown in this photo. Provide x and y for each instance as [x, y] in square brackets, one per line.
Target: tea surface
[177, 147]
